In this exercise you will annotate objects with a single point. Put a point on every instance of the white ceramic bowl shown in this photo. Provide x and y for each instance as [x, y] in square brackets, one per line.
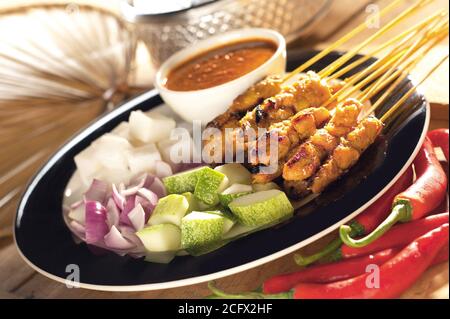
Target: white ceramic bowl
[204, 105]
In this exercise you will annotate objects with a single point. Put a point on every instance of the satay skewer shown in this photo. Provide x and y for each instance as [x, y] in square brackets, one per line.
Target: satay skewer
[341, 41]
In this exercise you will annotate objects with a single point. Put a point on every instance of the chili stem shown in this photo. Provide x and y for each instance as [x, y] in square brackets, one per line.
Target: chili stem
[217, 293]
[307, 260]
[400, 212]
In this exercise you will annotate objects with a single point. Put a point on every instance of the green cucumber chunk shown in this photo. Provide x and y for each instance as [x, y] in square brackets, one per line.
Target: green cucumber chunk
[210, 183]
[261, 208]
[170, 209]
[194, 204]
[184, 181]
[233, 192]
[236, 173]
[200, 229]
[160, 238]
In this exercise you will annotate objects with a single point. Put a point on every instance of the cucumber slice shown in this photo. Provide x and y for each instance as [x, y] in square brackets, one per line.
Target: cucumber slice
[229, 220]
[159, 238]
[210, 183]
[160, 257]
[265, 187]
[201, 228]
[233, 192]
[193, 203]
[236, 173]
[182, 253]
[239, 230]
[170, 209]
[201, 250]
[183, 182]
[261, 208]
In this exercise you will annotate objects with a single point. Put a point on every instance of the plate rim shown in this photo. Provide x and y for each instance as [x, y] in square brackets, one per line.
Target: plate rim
[202, 278]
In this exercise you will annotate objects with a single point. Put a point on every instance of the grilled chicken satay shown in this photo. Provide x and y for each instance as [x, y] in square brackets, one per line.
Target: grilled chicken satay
[288, 133]
[308, 156]
[347, 153]
[309, 91]
[264, 89]
[268, 87]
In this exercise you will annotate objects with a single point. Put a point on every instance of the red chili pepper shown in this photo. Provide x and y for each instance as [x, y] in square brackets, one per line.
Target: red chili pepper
[398, 236]
[439, 138]
[417, 201]
[396, 275]
[366, 221]
[327, 272]
[441, 256]
[335, 271]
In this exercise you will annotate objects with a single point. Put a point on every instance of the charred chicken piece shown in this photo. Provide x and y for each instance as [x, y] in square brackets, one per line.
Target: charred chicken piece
[309, 91]
[288, 133]
[264, 89]
[268, 87]
[308, 156]
[347, 153]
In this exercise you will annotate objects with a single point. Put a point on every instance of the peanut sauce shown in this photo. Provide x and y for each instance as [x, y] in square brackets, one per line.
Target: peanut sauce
[220, 65]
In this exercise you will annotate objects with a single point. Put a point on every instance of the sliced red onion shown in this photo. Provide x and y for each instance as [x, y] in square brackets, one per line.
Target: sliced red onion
[137, 217]
[96, 225]
[162, 169]
[133, 189]
[115, 240]
[149, 195]
[112, 213]
[158, 188]
[119, 199]
[146, 205]
[130, 234]
[129, 205]
[78, 214]
[149, 179]
[77, 204]
[78, 229]
[97, 192]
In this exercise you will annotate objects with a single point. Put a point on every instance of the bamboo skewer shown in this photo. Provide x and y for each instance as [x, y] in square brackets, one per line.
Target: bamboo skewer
[404, 74]
[339, 42]
[346, 57]
[400, 75]
[400, 102]
[404, 36]
[429, 33]
[388, 63]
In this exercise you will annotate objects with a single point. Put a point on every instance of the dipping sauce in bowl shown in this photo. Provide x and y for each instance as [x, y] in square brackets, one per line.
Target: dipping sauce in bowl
[201, 81]
[220, 65]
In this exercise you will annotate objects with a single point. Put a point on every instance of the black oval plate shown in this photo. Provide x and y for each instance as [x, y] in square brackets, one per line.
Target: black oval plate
[47, 245]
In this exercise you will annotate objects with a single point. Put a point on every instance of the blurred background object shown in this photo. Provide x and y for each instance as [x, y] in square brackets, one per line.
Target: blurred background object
[168, 27]
[61, 65]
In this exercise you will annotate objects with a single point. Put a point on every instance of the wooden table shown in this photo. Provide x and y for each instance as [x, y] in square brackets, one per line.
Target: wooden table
[18, 280]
